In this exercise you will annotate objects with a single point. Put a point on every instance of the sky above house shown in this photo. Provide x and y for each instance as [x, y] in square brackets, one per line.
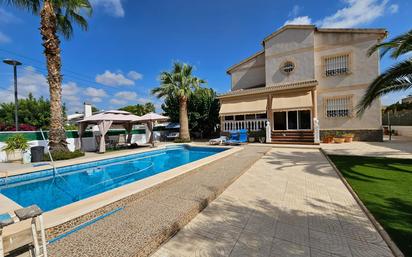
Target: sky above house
[128, 43]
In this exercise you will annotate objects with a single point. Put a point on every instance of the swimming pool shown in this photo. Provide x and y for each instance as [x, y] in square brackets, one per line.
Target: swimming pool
[77, 182]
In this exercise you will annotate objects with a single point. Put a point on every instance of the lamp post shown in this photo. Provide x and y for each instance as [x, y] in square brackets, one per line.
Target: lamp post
[15, 63]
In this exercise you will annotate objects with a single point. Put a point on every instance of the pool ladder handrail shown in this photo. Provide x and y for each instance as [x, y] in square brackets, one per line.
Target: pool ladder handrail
[50, 155]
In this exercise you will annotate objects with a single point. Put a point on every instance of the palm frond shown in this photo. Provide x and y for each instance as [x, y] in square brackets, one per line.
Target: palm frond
[29, 5]
[397, 78]
[397, 46]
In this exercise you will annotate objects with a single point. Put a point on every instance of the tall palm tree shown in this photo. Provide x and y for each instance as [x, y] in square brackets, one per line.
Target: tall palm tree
[56, 16]
[179, 83]
[396, 78]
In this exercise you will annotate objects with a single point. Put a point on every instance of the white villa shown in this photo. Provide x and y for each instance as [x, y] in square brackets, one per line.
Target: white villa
[302, 77]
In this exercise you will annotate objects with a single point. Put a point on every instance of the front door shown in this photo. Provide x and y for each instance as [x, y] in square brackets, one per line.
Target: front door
[292, 120]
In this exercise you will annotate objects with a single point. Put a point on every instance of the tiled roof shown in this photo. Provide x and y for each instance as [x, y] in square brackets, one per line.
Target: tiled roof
[274, 88]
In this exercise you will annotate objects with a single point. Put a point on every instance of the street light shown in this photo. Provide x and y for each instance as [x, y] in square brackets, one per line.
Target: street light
[15, 63]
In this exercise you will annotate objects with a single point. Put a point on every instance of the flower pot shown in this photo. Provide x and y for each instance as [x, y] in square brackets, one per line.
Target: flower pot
[348, 139]
[251, 139]
[338, 140]
[327, 140]
[14, 156]
[262, 139]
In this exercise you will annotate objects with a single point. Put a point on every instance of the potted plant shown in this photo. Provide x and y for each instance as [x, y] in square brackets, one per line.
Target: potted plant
[348, 137]
[327, 138]
[338, 138]
[15, 146]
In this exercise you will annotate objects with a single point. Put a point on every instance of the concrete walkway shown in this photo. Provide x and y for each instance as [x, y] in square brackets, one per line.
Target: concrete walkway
[290, 203]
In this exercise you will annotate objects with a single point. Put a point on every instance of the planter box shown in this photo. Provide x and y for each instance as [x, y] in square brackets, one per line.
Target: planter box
[338, 140]
[327, 140]
[14, 156]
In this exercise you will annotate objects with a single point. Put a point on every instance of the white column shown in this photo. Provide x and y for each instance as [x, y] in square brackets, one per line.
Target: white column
[268, 132]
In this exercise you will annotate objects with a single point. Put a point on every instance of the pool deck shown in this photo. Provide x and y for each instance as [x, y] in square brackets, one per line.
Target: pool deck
[144, 223]
[289, 203]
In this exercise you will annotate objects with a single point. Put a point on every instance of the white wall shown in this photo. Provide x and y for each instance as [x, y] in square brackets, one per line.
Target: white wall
[405, 131]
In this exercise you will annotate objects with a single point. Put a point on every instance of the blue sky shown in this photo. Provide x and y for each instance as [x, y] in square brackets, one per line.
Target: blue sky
[129, 42]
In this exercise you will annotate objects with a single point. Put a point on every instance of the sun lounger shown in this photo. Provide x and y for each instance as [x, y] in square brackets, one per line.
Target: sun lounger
[237, 137]
[218, 141]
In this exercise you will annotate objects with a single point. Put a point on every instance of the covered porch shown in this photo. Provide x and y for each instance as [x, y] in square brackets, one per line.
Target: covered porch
[289, 109]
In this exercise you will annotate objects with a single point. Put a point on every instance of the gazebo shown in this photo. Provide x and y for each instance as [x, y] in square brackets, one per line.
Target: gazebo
[105, 120]
[149, 119]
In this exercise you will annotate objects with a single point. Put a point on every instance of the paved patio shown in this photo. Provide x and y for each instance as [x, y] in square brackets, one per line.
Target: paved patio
[290, 203]
[399, 147]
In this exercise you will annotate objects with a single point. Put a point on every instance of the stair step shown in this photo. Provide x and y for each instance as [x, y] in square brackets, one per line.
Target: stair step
[293, 142]
[294, 137]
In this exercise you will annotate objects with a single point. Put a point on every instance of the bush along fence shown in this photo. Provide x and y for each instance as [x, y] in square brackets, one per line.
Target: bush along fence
[35, 138]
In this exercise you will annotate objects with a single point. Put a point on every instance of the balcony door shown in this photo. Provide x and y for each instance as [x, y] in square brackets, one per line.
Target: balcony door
[292, 120]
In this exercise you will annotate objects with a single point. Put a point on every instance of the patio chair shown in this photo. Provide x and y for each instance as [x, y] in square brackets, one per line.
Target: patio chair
[237, 137]
[35, 214]
[218, 141]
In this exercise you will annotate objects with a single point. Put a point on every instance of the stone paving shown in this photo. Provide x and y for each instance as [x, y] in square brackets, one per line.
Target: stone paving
[145, 223]
[290, 203]
[399, 147]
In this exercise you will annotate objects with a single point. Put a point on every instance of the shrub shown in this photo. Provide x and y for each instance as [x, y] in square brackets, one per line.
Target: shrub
[16, 142]
[63, 155]
[180, 140]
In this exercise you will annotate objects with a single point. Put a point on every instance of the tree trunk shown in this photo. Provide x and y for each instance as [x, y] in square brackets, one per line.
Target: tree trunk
[51, 44]
[183, 119]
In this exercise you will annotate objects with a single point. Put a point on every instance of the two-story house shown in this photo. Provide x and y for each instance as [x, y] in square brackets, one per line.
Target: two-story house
[306, 76]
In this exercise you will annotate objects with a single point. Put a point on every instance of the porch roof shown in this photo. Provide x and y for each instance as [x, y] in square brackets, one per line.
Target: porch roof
[275, 88]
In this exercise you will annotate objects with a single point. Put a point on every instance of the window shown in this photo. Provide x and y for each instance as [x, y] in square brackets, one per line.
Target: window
[288, 67]
[337, 107]
[240, 117]
[336, 65]
[261, 116]
[228, 117]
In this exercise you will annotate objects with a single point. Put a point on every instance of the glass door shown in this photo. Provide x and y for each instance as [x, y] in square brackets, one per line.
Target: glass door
[292, 120]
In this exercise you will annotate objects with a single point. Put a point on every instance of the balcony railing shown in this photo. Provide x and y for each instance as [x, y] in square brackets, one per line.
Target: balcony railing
[251, 125]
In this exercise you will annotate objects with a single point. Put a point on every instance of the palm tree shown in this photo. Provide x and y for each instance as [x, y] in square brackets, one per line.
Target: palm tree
[179, 83]
[396, 78]
[56, 16]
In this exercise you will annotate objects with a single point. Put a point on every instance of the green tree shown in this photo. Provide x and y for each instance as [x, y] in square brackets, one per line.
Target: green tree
[139, 109]
[32, 111]
[56, 16]
[179, 83]
[203, 110]
[396, 78]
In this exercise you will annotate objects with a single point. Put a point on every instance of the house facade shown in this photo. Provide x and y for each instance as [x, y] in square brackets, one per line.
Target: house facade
[305, 78]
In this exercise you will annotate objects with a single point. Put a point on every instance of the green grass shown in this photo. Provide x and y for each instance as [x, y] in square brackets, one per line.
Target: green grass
[385, 187]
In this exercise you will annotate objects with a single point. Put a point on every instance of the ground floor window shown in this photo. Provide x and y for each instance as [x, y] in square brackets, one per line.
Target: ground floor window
[292, 120]
[338, 106]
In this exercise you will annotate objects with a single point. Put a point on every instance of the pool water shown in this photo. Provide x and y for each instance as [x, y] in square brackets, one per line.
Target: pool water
[81, 181]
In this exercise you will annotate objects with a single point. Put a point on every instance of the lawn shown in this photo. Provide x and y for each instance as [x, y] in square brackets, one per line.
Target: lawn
[385, 186]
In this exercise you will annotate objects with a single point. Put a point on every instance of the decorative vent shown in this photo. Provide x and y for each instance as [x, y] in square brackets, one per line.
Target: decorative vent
[288, 67]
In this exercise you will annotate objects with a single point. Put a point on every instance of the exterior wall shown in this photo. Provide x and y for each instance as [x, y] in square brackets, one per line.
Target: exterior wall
[249, 74]
[370, 135]
[294, 45]
[403, 130]
[371, 119]
[363, 69]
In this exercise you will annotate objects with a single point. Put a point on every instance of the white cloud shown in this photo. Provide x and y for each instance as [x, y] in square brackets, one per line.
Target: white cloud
[127, 97]
[4, 38]
[71, 97]
[134, 75]
[301, 20]
[111, 7]
[109, 78]
[295, 11]
[393, 8]
[95, 92]
[356, 13]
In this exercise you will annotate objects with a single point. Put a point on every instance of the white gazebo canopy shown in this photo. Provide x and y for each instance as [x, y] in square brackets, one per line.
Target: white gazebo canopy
[149, 118]
[105, 120]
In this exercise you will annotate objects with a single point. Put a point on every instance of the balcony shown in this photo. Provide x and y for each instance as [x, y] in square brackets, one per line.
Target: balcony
[251, 125]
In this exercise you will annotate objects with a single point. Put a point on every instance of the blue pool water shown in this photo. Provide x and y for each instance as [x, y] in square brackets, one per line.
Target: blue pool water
[77, 182]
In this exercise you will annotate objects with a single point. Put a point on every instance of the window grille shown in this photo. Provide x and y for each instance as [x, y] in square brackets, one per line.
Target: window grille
[337, 107]
[336, 65]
